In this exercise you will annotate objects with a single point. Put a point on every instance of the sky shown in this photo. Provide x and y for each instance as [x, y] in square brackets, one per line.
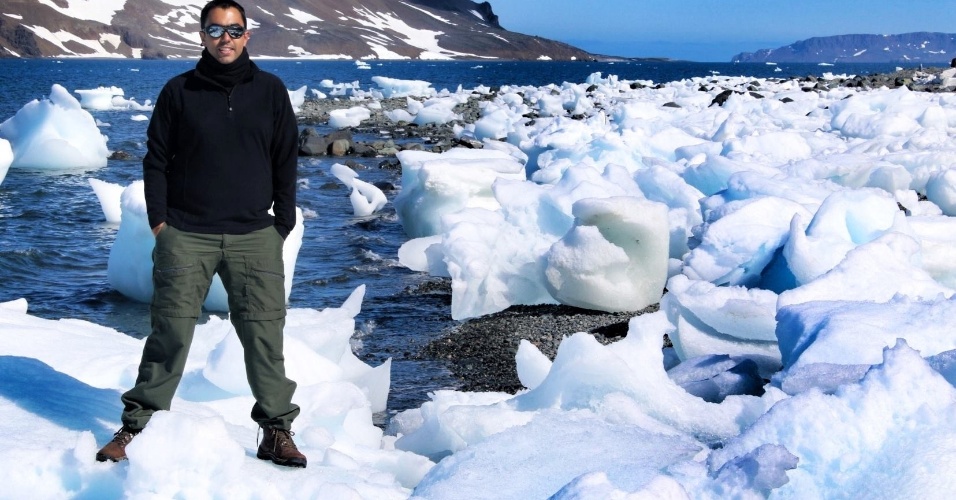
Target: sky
[712, 30]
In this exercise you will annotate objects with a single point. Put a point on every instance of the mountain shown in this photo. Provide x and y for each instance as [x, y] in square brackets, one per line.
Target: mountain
[318, 29]
[928, 48]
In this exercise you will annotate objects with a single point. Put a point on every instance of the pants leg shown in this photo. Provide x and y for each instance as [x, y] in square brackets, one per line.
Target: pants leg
[183, 267]
[254, 277]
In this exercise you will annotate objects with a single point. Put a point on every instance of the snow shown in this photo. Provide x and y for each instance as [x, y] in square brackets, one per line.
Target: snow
[806, 286]
[387, 22]
[302, 16]
[88, 10]
[62, 37]
[429, 13]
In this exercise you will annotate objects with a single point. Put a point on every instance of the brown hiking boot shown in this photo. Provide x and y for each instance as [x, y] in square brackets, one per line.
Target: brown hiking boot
[277, 446]
[115, 450]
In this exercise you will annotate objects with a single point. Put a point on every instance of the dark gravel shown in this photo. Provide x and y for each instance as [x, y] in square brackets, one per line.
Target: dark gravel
[480, 352]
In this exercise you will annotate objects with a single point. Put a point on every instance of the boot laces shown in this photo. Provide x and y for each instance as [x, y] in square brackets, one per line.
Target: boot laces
[124, 436]
[283, 439]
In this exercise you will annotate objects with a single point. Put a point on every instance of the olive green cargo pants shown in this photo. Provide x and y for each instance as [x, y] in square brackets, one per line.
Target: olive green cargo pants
[251, 269]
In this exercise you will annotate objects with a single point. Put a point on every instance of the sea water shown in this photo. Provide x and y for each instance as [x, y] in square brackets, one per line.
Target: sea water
[55, 243]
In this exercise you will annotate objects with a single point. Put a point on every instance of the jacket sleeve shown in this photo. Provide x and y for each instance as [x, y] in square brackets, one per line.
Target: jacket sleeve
[159, 150]
[285, 152]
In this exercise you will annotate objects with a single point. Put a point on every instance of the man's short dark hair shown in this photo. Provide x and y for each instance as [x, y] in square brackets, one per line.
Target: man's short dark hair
[221, 4]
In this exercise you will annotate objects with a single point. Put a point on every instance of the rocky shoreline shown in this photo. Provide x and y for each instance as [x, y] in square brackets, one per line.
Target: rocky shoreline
[480, 352]
[390, 137]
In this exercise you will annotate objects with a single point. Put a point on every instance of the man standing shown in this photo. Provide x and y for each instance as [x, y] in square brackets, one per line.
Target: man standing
[221, 151]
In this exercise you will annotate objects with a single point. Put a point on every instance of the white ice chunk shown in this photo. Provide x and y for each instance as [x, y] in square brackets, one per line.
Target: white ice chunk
[109, 195]
[100, 98]
[435, 184]
[297, 97]
[6, 158]
[615, 257]
[55, 133]
[350, 117]
[394, 87]
[532, 365]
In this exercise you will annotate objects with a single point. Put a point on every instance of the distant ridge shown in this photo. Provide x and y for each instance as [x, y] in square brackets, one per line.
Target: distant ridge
[921, 47]
[311, 29]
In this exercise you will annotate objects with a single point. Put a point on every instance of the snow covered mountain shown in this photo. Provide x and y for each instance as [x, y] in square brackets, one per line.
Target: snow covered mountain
[317, 29]
[929, 48]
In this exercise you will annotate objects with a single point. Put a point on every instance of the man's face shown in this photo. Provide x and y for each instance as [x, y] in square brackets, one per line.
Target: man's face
[225, 48]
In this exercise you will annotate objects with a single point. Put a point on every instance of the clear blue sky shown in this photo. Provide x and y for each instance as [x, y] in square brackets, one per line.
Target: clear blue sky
[714, 30]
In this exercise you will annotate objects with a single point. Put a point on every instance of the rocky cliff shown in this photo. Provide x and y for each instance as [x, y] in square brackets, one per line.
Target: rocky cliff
[317, 29]
[928, 48]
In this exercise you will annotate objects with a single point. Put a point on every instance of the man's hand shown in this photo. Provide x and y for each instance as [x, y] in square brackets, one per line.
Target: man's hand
[159, 227]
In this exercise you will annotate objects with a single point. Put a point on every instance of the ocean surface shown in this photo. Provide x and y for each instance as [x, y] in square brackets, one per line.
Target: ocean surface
[55, 243]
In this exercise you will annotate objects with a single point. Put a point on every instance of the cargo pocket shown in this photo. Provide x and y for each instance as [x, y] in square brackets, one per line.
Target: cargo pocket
[178, 286]
[265, 290]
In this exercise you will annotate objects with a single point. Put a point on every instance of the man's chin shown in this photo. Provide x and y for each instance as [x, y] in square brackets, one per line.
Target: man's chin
[226, 58]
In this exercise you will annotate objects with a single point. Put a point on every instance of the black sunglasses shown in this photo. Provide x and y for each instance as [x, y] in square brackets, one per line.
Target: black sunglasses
[216, 31]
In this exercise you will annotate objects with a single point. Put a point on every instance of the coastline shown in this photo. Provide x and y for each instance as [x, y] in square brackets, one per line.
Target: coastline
[480, 351]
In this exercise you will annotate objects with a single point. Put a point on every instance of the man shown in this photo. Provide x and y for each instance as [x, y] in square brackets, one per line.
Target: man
[221, 151]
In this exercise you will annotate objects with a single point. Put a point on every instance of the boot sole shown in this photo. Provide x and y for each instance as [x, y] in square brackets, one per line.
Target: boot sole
[105, 458]
[277, 461]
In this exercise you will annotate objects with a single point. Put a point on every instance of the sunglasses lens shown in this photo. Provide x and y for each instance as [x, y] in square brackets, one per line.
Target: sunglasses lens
[215, 31]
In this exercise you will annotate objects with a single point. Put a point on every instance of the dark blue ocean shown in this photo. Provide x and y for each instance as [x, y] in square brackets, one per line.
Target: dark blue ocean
[54, 243]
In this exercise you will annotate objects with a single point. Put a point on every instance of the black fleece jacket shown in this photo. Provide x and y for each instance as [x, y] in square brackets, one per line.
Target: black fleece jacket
[219, 158]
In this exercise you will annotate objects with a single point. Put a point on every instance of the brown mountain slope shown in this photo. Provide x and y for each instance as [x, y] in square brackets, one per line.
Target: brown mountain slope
[325, 29]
